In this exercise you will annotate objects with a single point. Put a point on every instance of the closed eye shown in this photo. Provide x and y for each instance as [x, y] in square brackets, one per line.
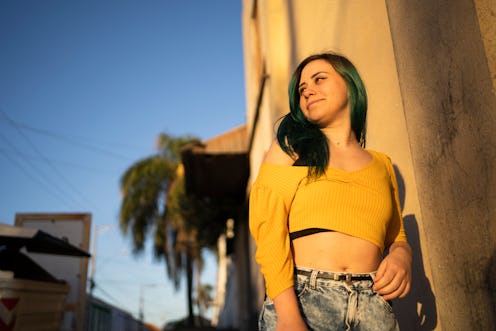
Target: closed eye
[318, 79]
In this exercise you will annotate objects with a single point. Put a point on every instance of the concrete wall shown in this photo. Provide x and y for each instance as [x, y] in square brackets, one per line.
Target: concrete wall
[426, 67]
[449, 106]
[486, 14]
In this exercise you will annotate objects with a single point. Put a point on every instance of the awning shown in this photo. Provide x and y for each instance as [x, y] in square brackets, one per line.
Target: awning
[219, 167]
[14, 238]
[37, 241]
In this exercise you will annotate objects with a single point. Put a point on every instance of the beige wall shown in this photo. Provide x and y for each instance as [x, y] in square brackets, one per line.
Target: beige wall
[486, 14]
[449, 103]
[429, 69]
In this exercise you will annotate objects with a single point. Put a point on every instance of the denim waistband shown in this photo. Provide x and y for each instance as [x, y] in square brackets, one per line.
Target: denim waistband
[336, 276]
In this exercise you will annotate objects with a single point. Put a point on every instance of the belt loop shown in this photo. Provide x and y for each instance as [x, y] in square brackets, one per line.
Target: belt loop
[313, 279]
[348, 279]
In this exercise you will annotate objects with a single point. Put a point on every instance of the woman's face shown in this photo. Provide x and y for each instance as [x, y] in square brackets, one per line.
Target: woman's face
[323, 94]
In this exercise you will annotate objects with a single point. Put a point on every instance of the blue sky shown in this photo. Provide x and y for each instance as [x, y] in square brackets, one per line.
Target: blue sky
[85, 87]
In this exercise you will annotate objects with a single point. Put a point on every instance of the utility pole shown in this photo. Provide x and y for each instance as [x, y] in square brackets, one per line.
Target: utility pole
[141, 309]
[142, 304]
[96, 229]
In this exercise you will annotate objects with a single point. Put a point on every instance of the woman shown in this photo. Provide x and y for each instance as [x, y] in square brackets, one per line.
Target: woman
[324, 210]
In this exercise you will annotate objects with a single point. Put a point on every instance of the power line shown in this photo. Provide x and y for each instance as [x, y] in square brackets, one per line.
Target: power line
[35, 179]
[105, 293]
[58, 161]
[49, 162]
[74, 140]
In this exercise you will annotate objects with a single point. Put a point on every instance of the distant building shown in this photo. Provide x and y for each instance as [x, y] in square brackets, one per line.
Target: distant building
[102, 316]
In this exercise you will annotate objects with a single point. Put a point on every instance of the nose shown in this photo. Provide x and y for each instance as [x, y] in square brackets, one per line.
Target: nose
[308, 92]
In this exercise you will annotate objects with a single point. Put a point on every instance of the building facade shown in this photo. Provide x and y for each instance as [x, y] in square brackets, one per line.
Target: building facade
[430, 72]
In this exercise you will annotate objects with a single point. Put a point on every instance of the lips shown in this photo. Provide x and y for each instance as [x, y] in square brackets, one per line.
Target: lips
[313, 102]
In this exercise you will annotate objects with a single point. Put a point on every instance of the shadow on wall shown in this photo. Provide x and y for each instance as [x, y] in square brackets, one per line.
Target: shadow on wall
[491, 279]
[417, 311]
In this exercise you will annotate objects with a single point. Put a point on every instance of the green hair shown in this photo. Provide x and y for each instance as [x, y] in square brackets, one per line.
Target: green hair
[298, 136]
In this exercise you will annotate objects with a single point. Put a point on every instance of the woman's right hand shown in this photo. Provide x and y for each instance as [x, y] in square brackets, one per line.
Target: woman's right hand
[288, 312]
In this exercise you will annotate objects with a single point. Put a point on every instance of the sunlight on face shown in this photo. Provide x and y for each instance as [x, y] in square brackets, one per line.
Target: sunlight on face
[323, 93]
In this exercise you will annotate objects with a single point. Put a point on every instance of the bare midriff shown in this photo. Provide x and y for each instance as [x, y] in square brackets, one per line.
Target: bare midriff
[334, 251]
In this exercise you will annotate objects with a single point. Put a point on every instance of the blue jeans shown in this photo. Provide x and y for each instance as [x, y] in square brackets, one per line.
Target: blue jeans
[330, 305]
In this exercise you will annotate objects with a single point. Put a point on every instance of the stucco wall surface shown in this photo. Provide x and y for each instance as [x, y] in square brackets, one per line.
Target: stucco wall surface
[449, 108]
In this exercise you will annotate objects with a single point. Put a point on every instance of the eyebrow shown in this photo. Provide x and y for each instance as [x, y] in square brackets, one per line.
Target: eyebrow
[315, 74]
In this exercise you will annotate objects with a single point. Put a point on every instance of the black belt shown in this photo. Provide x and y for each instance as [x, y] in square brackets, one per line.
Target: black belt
[335, 276]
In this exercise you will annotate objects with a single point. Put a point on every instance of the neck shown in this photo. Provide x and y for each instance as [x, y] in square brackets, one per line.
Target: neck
[340, 138]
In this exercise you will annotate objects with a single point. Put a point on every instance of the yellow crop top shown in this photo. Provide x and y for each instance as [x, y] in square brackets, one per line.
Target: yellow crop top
[362, 203]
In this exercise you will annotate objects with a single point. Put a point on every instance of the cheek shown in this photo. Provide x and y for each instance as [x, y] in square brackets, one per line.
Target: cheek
[302, 105]
[344, 91]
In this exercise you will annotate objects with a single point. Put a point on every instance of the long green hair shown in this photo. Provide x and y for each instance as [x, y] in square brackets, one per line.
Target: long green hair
[298, 136]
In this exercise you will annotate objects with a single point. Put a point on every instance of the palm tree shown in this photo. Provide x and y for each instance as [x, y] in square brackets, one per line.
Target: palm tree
[184, 239]
[203, 297]
[152, 195]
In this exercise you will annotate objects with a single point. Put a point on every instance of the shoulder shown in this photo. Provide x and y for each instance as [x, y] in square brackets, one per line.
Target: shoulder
[277, 172]
[384, 158]
[275, 155]
[386, 161]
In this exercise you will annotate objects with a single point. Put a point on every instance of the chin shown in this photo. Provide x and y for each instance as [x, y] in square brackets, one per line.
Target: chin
[315, 121]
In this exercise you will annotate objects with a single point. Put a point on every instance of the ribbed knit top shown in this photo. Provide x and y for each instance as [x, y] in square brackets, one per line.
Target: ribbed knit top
[363, 203]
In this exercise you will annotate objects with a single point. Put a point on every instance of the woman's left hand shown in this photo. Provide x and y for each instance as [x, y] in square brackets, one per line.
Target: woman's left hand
[394, 274]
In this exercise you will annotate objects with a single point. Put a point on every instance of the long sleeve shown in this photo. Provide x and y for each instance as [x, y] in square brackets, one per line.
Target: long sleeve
[271, 197]
[396, 231]
[269, 228]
